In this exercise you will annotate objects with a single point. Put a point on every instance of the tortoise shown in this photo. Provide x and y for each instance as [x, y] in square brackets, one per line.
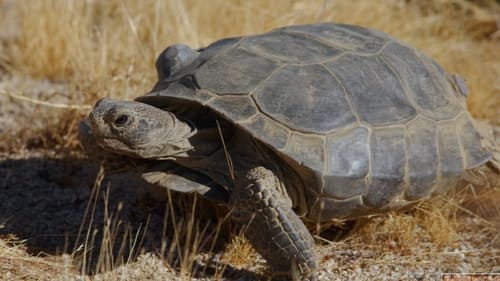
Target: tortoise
[304, 123]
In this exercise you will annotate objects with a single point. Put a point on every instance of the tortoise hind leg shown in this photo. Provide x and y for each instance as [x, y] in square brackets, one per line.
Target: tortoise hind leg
[273, 228]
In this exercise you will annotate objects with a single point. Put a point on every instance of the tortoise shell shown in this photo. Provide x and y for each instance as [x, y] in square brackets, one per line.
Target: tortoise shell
[368, 122]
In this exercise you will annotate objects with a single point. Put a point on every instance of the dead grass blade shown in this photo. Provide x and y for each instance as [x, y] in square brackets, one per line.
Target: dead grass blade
[21, 97]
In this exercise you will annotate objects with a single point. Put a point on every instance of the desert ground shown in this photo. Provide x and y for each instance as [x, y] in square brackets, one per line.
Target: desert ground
[64, 216]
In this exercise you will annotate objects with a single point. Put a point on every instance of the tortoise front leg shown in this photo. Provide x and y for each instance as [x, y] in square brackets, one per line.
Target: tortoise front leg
[273, 228]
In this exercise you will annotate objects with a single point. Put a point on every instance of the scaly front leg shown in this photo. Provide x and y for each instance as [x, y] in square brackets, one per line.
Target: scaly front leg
[273, 228]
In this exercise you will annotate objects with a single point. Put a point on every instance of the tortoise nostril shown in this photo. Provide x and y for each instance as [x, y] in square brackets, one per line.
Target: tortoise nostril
[121, 120]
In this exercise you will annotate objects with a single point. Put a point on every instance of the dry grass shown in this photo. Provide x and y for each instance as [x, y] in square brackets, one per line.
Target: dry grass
[108, 48]
[16, 264]
[239, 252]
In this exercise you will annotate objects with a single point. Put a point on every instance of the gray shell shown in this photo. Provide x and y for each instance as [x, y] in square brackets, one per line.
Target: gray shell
[370, 123]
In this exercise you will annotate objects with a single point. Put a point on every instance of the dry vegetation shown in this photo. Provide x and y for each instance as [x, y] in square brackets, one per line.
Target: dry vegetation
[56, 56]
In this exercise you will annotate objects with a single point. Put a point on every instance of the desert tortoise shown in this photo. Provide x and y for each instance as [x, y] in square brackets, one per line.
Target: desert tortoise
[317, 121]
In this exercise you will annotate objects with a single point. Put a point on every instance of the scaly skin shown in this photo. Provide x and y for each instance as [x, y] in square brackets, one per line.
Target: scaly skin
[272, 227]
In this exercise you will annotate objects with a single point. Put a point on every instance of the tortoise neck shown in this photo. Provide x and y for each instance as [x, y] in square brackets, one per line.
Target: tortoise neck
[204, 142]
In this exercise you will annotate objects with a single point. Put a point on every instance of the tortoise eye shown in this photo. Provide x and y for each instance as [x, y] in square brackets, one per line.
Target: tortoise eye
[121, 120]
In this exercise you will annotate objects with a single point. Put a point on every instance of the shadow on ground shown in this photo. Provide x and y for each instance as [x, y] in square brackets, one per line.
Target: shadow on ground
[44, 201]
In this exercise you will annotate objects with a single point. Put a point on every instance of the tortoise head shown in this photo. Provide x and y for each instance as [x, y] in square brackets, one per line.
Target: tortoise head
[138, 130]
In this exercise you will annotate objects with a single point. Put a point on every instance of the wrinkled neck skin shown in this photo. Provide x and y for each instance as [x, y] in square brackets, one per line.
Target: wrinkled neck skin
[178, 138]
[207, 155]
[202, 143]
[162, 144]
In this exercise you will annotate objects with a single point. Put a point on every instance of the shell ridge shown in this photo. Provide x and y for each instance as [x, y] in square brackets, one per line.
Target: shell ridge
[405, 88]
[346, 94]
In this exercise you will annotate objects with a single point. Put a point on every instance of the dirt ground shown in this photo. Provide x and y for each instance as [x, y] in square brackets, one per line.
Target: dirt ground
[66, 217]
